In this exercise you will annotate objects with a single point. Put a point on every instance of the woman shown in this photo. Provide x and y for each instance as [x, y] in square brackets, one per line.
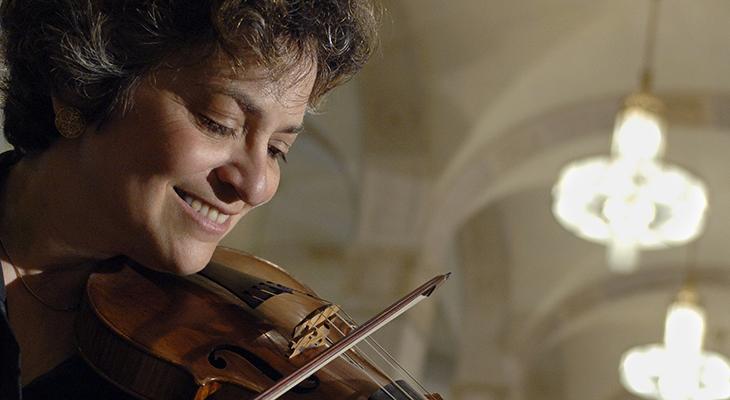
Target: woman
[147, 129]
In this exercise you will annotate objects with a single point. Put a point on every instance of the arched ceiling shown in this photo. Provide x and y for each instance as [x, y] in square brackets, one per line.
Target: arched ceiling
[442, 156]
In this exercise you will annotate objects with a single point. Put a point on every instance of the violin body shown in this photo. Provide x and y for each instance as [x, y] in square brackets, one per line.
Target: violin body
[229, 332]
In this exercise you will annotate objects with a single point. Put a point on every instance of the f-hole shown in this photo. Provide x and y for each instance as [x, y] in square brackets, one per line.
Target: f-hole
[218, 360]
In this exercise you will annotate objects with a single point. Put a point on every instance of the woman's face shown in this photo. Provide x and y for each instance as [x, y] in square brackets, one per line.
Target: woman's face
[199, 149]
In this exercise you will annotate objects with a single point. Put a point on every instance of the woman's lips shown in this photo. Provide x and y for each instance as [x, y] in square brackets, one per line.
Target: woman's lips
[208, 215]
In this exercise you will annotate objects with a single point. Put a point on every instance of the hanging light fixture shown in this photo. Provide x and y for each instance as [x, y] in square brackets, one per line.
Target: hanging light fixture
[679, 368]
[631, 200]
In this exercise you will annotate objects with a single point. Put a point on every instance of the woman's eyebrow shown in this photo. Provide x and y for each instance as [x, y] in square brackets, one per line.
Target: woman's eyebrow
[245, 102]
[294, 129]
[248, 105]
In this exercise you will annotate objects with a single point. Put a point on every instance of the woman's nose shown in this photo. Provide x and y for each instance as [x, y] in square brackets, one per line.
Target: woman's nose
[248, 175]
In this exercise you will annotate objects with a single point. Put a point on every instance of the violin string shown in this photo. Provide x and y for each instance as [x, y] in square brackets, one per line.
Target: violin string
[396, 384]
[370, 360]
[357, 364]
[383, 388]
[350, 324]
[342, 334]
[387, 357]
[372, 378]
[383, 353]
[353, 324]
[347, 356]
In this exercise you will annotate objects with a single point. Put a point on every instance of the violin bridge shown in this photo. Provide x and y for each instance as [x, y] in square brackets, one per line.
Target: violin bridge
[314, 329]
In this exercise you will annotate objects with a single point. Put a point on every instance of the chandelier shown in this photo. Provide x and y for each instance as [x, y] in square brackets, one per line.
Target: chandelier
[679, 368]
[631, 199]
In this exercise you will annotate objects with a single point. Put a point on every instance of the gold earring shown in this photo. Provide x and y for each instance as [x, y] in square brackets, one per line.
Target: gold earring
[69, 122]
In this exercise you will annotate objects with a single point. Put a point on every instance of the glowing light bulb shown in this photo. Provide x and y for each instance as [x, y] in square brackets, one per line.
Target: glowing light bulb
[638, 135]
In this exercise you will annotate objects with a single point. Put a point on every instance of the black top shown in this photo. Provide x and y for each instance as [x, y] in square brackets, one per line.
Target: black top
[72, 379]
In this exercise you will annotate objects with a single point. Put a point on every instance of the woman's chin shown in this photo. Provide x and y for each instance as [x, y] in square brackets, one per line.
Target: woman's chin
[188, 268]
[184, 263]
[191, 264]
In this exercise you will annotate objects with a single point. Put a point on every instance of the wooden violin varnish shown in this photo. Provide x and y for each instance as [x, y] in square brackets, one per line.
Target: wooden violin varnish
[230, 332]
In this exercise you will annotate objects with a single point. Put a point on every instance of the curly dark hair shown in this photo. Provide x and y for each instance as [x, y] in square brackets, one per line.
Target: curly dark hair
[92, 53]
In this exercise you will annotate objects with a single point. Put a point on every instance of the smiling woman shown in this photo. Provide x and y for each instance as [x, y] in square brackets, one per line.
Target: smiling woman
[183, 140]
[143, 129]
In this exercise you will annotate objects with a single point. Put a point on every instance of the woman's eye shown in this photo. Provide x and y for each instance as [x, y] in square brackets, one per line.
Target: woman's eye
[216, 128]
[277, 153]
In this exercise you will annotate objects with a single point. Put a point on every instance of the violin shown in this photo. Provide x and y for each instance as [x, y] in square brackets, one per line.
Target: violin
[242, 328]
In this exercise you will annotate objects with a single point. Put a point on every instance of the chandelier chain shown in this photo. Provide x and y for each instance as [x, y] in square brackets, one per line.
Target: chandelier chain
[649, 45]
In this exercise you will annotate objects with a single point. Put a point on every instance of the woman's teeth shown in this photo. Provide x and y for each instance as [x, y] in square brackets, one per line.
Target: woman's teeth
[206, 210]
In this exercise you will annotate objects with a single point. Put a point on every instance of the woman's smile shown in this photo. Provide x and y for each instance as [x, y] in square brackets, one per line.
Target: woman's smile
[210, 218]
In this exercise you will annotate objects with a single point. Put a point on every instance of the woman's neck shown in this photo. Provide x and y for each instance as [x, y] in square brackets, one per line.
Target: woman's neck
[46, 226]
[46, 215]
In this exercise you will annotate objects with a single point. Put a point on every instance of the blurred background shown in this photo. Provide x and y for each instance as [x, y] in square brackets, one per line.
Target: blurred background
[442, 156]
